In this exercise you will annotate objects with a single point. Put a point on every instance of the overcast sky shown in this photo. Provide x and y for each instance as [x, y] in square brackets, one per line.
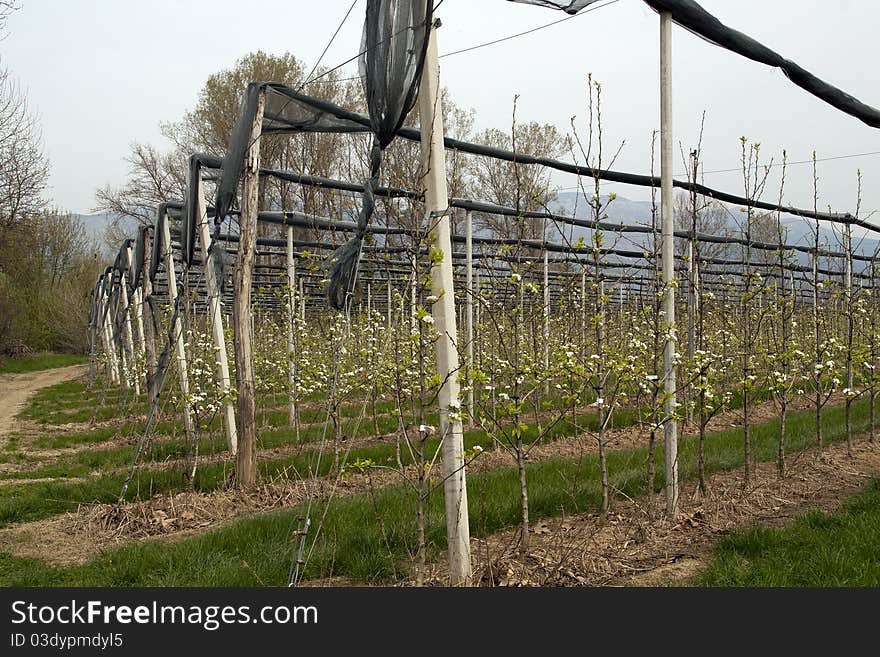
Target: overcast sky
[104, 73]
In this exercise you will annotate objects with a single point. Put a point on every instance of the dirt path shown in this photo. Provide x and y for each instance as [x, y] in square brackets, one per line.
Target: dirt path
[16, 389]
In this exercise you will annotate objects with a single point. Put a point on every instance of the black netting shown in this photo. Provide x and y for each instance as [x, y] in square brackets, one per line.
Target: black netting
[691, 16]
[138, 255]
[395, 40]
[567, 7]
[190, 217]
[158, 237]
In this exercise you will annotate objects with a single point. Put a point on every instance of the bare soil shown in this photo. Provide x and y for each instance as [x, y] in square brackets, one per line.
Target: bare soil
[16, 389]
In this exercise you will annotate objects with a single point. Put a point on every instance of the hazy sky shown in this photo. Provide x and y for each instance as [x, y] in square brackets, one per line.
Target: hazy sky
[104, 73]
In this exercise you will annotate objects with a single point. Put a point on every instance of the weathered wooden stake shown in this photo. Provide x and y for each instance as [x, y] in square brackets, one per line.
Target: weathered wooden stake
[246, 461]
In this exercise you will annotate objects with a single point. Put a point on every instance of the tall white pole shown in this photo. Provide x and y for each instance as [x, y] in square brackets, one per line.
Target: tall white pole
[179, 341]
[291, 318]
[469, 308]
[388, 307]
[546, 322]
[443, 311]
[107, 331]
[670, 426]
[138, 305]
[215, 309]
[129, 333]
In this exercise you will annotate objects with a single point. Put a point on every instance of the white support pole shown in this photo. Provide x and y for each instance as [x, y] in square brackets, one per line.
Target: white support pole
[433, 162]
[215, 310]
[128, 332]
[150, 323]
[107, 335]
[469, 309]
[477, 294]
[388, 307]
[670, 426]
[412, 298]
[291, 318]
[546, 322]
[179, 340]
[138, 305]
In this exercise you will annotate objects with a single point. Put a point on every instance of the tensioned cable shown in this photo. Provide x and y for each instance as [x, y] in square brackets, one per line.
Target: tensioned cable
[534, 29]
[330, 43]
[479, 45]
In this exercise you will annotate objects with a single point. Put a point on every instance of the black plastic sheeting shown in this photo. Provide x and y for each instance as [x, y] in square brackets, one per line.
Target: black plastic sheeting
[691, 16]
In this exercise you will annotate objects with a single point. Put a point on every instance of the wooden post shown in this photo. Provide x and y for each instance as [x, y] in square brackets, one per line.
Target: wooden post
[246, 461]
[433, 163]
[670, 425]
[179, 341]
[291, 319]
[469, 309]
[215, 311]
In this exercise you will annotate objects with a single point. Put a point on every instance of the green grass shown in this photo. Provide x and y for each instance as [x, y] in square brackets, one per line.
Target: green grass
[256, 550]
[819, 549]
[39, 362]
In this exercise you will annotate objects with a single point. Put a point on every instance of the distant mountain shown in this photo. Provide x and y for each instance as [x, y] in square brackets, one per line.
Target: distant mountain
[627, 211]
[96, 226]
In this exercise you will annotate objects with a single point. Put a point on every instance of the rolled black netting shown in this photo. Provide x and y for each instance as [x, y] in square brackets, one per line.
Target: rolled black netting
[137, 267]
[190, 217]
[395, 40]
[567, 7]
[156, 252]
[691, 16]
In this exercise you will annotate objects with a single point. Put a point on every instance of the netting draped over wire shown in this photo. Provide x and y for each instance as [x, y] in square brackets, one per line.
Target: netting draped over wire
[691, 16]
[395, 40]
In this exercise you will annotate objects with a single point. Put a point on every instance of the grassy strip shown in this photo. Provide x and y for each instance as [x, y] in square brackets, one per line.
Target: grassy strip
[39, 362]
[819, 549]
[359, 544]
